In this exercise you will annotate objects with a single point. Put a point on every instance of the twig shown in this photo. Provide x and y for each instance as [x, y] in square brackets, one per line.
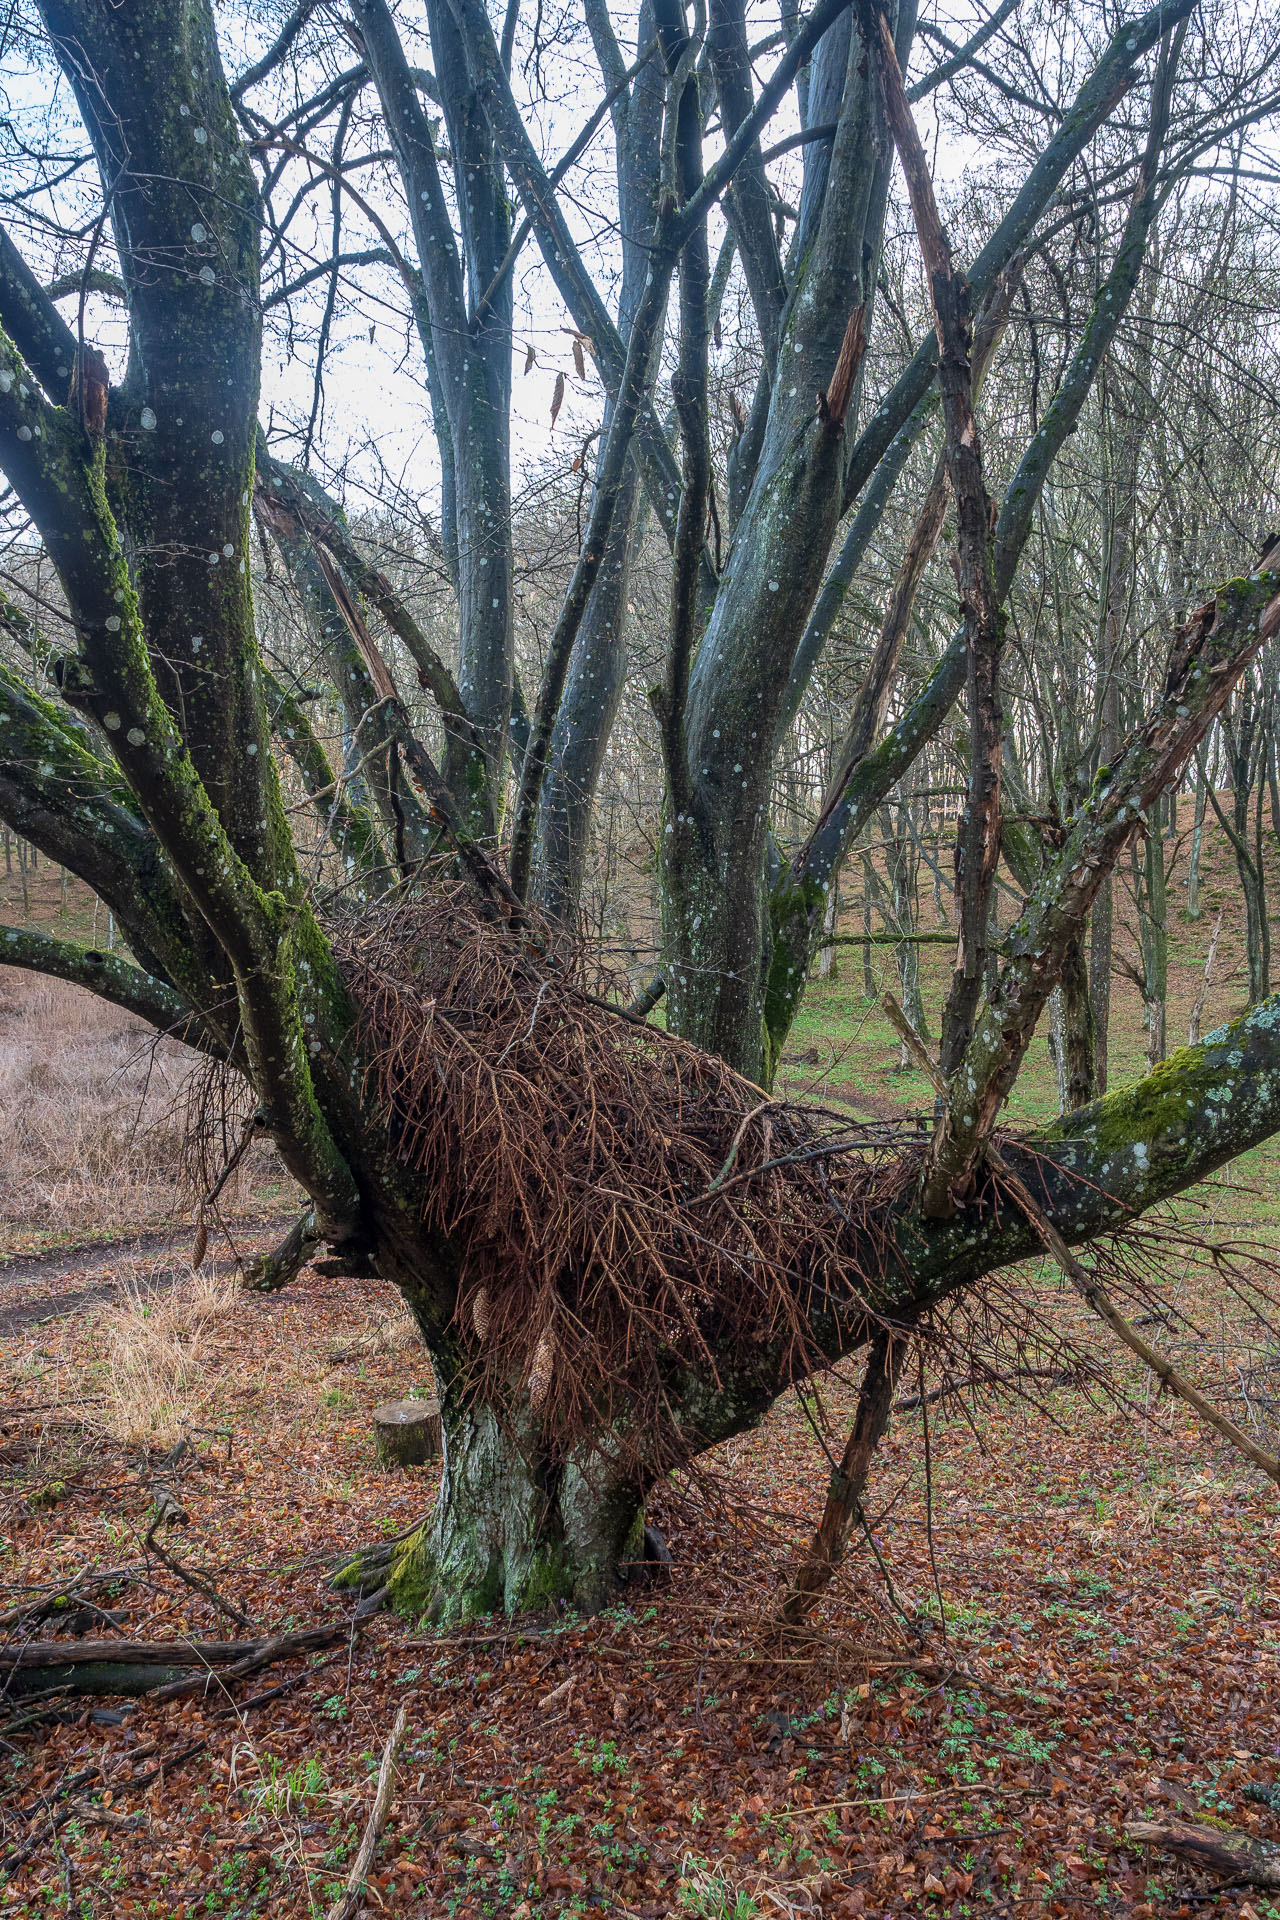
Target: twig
[986, 1382]
[195, 1581]
[58, 1816]
[1084, 1283]
[1093, 1295]
[715, 1185]
[909, 1799]
[345, 1905]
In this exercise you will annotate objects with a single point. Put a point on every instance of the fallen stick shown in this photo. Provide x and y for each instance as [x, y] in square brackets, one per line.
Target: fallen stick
[196, 1581]
[50, 1599]
[1222, 1850]
[238, 1707]
[345, 1905]
[49, 1819]
[265, 1653]
[913, 1799]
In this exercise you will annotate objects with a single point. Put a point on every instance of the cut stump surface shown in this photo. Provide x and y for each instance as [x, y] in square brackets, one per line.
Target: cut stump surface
[407, 1432]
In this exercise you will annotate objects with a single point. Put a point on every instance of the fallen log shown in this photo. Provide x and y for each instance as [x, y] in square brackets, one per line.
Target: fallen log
[1234, 1855]
[168, 1669]
[111, 1666]
[171, 1653]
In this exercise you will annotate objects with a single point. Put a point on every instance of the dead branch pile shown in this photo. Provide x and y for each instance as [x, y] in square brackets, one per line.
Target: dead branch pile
[627, 1210]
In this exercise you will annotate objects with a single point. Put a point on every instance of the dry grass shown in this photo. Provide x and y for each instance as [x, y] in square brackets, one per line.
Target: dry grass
[92, 1113]
[154, 1361]
[389, 1328]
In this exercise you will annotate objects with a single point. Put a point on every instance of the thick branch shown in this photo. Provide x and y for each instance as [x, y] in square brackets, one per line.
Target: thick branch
[646, 335]
[59, 477]
[849, 1481]
[31, 320]
[111, 978]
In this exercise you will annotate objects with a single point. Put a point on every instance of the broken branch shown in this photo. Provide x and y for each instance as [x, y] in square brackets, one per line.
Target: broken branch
[1236, 1856]
[348, 1901]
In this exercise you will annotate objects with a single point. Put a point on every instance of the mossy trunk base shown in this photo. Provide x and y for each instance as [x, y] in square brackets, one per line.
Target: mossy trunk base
[511, 1534]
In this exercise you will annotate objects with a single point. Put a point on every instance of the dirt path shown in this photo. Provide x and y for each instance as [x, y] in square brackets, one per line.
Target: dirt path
[153, 1261]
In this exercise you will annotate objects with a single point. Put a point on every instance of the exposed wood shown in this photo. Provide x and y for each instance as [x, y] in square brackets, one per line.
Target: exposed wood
[407, 1432]
[347, 1903]
[1236, 1856]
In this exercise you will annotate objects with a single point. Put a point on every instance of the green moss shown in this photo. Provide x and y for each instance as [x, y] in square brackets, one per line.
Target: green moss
[547, 1580]
[795, 915]
[633, 1545]
[411, 1581]
[1154, 1109]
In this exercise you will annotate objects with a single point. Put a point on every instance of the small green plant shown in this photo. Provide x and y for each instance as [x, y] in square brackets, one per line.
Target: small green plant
[280, 1790]
[602, 1758]
[708, 1895]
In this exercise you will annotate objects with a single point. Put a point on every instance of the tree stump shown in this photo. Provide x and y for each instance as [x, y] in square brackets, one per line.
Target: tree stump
[407, 1432]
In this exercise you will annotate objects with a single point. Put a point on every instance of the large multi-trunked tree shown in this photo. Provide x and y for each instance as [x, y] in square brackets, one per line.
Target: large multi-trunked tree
[619, 1247]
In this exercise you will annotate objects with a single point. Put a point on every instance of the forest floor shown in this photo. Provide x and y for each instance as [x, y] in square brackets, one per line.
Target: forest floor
[1066, 1617]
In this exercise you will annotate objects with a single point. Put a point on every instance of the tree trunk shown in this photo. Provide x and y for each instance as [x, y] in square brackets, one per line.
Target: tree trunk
[1058, 1046]
[1100, 978]
[904, 871]
[510, 1531]
[1154, 922]
[828, 957]
[1079, 1032]
[1253, 885]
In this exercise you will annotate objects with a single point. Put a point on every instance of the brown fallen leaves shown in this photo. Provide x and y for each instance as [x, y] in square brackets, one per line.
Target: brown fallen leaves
[1112, 1596]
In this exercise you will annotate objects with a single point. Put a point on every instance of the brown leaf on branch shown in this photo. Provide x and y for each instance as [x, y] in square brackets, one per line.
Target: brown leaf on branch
[557, 398]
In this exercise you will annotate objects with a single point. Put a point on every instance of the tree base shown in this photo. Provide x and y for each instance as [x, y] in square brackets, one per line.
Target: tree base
[509, 1533]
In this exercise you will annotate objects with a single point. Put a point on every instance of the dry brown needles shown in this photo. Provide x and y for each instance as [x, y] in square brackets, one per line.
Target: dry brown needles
[629, 1216]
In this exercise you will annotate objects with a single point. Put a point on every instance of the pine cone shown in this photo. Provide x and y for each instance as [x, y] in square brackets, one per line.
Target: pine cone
[480, 1313]
[543, 1370]
[200, 1247]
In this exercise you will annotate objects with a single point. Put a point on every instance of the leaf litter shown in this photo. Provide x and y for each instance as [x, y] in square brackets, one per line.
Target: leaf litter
[1080, 1627]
